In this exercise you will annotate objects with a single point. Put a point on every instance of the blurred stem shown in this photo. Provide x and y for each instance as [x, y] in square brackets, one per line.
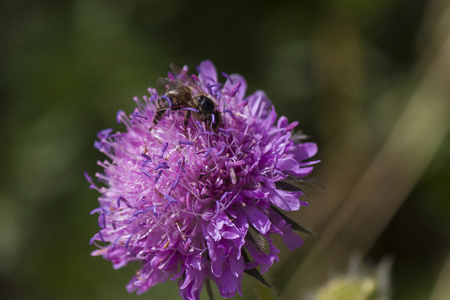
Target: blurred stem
[264, 292]
[209, 289]
[442, 288]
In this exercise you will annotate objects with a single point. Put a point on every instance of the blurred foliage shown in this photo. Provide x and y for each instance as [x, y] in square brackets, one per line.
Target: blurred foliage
[346, 69]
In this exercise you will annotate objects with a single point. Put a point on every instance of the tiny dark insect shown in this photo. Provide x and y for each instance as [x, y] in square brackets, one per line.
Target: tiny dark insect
[183, 92]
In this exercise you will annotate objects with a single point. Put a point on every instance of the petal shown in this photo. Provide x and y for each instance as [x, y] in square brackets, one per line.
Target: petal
[191, 286]
[213, 232]
[291, 166]
[228, 284]
[257, 218]
[230, 233]
[236, 266]
[259, 105]
[207, 72]
[216, 267]
[253, 194]
[235, 86]
[304, 151]
[283, 199]
[292, 240]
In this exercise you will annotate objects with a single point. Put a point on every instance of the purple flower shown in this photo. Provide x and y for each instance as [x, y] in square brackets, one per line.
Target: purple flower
[199, 197]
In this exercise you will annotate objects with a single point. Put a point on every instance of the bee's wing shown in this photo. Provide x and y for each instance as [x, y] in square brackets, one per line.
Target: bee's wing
[167, 84]
[180, 93]
[181, 75]
[183, 78]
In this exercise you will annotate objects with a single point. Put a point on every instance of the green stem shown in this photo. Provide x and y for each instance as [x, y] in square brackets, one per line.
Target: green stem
[209, 289]
[264, 292]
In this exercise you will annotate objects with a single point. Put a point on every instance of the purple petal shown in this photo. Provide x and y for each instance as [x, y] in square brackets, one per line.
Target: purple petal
[291, 167]
[236, 86]
[304, 151]
[257, 218]
[285, 200]
[207, 72]
[230, 233]
[292, 240]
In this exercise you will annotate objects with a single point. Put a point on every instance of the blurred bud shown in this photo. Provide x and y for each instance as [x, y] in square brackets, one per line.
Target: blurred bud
[361, 282]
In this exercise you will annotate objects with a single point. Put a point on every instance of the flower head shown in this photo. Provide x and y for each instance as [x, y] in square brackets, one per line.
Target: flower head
[195, 196]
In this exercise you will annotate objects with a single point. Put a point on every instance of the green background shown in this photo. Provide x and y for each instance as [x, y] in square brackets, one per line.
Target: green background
[367, 80]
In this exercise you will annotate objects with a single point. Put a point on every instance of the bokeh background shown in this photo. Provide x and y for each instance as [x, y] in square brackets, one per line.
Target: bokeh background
[369, 81]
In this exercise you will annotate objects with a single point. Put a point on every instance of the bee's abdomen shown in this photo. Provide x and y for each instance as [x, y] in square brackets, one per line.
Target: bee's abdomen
[205, 104]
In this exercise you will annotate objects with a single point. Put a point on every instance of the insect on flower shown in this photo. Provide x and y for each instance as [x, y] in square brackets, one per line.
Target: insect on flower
[182, 92]
[194, 204]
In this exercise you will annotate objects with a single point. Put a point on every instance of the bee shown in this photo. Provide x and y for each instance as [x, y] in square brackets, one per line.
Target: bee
[183, 92]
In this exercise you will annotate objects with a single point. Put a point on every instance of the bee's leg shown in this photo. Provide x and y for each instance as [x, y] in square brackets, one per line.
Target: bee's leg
[159, 114]
[186, 119]
[217, 120]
